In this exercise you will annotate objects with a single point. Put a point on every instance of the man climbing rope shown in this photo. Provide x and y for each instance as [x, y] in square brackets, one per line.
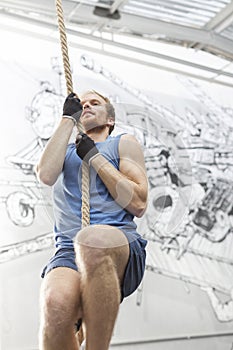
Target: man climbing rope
[94, 267]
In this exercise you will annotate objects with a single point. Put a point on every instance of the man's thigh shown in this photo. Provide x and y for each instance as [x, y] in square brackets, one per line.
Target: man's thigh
[96, 241]
[127, 251]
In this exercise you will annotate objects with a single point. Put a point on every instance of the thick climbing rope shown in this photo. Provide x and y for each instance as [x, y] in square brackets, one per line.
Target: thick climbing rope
[69, 86]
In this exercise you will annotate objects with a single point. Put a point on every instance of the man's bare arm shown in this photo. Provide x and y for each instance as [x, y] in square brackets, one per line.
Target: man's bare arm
[128, 186]
[51, 162]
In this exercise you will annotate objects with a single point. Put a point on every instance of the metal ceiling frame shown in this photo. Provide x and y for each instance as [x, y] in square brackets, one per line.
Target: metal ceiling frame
[221, 20]
[147, 27]
[208, 38]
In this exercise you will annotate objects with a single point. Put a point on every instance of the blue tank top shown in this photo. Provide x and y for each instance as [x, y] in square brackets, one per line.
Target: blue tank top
[103, 208]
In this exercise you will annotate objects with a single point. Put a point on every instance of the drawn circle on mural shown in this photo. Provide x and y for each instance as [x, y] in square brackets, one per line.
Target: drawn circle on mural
[20, 208]
[44, 112]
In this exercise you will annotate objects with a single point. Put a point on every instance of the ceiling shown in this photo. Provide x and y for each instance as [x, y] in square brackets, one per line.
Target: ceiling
[201, 31]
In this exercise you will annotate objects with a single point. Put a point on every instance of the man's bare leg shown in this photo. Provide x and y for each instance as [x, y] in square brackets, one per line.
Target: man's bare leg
[102, 255]
[60, 305]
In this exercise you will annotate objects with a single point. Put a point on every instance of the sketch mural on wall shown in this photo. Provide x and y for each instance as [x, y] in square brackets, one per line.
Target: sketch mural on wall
[43, 115]
[189, 160]
[189, 220]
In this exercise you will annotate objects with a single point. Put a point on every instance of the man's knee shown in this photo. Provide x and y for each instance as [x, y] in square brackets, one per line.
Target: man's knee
[57, 306]
[52, 305]
[91, 251]
[101, 236]
[57, 317]
[101, 245]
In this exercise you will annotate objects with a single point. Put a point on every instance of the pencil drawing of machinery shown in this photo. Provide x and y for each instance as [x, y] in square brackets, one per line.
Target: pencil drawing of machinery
[211, 215]
[189, 161]
[189, 164]
[43, 114]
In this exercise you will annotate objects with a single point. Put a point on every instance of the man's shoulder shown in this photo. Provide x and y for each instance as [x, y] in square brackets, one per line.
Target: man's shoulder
[129, 144]
[128, 137]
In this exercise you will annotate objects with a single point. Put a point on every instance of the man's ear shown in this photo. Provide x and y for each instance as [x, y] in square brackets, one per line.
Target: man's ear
[111, 122]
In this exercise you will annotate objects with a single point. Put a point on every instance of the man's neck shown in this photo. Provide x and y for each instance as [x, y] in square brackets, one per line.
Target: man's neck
[98, 135]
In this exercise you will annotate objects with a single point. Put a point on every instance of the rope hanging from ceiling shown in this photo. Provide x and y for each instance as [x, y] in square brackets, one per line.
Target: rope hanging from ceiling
[85, 168]
[69, 86]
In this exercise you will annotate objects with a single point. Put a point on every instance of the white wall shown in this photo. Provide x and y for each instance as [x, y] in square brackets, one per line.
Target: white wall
[174, 302]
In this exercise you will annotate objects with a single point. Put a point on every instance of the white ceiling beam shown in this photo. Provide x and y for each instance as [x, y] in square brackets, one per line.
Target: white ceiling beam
[222, 20]
[53, 27]
[174, 31]
[120, 56]
[139, 25]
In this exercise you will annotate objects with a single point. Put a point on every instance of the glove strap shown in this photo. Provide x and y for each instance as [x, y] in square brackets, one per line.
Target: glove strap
[70, 117]
[90, 160]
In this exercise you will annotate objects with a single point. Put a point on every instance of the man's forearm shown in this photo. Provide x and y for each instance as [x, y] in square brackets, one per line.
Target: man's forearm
[124, 191]
[52, 159]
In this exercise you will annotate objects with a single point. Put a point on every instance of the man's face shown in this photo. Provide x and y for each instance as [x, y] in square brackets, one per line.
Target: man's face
[94, 112]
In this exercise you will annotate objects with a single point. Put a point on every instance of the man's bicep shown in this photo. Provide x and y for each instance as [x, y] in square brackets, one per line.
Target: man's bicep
[132, 163]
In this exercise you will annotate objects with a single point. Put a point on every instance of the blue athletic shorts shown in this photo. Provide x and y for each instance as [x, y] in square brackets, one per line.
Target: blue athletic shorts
[65, 257]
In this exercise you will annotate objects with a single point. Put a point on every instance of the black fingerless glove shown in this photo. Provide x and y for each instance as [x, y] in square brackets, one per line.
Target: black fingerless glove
[85, 147]
[72, 107]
